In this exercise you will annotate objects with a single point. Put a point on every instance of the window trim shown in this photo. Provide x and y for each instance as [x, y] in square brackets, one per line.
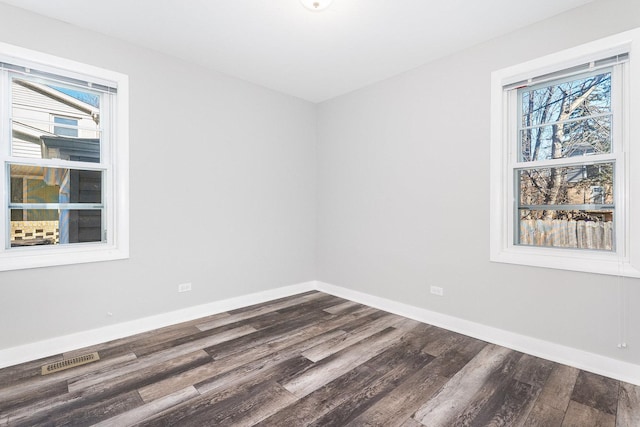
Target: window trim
[117, 178]
[625, 261]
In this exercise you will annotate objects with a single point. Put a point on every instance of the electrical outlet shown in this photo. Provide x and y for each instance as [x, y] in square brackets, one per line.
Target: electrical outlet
[437, 290]
[184, 287]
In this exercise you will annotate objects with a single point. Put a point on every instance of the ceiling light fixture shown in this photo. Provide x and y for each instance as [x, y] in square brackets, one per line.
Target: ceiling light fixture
[316, 5]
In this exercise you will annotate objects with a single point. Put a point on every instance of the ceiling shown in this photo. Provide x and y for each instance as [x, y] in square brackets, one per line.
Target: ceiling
[281, 45]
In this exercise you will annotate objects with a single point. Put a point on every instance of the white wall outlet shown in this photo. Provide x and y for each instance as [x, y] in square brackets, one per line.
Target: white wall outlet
[437, 290]
[184, 287]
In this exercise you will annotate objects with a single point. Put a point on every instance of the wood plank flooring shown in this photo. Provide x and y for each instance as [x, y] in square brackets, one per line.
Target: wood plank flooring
[311, 360]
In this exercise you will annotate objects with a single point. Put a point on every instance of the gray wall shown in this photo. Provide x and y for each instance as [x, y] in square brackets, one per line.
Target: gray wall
[397, 194]
[223, 193]
[404, 196]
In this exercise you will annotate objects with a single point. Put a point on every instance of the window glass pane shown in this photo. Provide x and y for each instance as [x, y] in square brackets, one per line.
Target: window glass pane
[566, 118]
[579, 229]
[569, 139]
[17, 193]
[53, 227]
[35, 184]
[568, 207]
[54, 123]
[571, 185]
[581, 97]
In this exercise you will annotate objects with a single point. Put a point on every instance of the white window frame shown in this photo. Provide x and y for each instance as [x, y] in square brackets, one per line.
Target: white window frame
[115, 245]
[625, 259]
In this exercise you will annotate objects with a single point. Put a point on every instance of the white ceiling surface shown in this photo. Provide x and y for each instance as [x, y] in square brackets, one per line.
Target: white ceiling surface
[281, 45]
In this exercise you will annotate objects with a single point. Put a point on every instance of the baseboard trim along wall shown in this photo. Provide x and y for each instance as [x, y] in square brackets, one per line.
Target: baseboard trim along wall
[612, 368]
[587, 361]
[33, 351]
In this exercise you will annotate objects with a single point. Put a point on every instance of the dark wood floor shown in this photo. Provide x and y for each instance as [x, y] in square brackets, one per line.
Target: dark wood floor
[311, 359]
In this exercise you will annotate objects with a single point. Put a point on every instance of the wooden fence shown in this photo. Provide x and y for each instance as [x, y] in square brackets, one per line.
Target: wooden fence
[567, 233]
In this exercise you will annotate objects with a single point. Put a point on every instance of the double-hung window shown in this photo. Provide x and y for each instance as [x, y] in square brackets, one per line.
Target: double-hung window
[564, 164]
[562, 194]
[64, 159]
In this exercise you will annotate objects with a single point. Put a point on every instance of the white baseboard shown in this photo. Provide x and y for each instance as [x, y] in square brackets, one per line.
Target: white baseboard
[33, 351]
[587, 361]
[612, 368]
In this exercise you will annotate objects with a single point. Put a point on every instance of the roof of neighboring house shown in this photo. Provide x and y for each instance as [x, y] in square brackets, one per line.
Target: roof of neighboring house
[61, 97]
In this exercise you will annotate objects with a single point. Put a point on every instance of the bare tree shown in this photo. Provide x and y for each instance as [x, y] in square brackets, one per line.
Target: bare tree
[567, 119]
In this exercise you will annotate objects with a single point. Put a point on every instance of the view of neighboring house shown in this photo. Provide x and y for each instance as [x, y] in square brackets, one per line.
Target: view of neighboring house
[51, 122]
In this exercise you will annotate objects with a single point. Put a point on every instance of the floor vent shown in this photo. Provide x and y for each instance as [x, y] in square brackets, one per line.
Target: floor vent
[70, 363]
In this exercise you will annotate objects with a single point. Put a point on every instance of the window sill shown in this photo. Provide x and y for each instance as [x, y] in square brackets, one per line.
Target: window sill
[585, 261]
[37, 257]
